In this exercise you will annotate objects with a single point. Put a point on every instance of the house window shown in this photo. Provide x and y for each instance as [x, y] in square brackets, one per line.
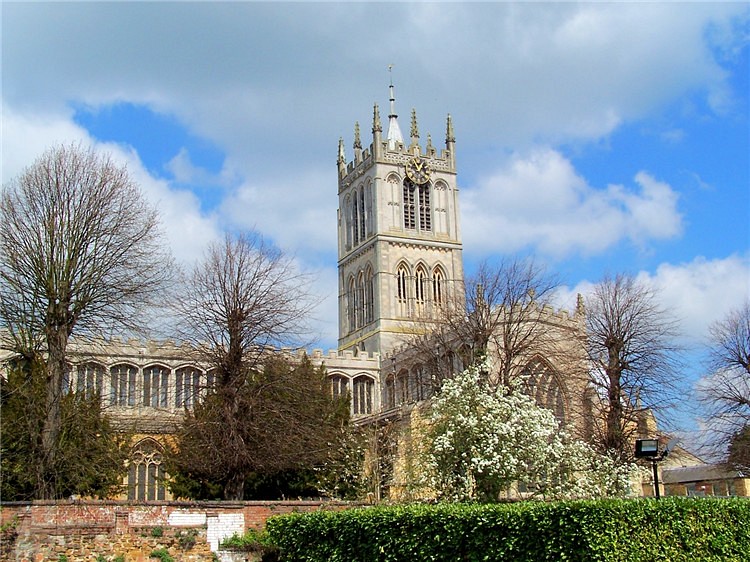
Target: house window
[362, 395]
[123, 385]
[145, 472]
[155, 386]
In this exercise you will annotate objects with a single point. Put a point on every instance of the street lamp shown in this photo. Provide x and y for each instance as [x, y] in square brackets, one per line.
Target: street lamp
[649, 449]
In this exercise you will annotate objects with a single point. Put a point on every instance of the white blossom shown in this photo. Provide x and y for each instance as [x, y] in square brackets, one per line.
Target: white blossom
[481, 441]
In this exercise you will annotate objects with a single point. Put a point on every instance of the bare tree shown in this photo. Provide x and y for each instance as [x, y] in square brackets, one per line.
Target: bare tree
[726, 391]
[80, 252]
[631, 344]
[500, 313]
[729, 389]
[244, 296]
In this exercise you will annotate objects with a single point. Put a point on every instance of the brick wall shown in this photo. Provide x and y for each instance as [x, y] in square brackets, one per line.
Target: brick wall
[82, 530]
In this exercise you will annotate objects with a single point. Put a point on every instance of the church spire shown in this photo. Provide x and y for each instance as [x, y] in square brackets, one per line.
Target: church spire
[394, 131]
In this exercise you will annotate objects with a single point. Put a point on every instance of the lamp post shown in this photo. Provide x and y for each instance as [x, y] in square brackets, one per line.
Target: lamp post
[649, 449]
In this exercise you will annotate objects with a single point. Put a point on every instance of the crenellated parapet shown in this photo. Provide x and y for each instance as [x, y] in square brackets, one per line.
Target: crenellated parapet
[394, 152]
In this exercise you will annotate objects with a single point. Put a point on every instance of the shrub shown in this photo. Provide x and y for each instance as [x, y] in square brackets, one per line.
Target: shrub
[252, 541]
[186, 539]
[674, 529]
[162, 554]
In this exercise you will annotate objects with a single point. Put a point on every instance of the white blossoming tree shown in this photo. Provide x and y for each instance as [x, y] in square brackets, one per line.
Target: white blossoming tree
[481, 440]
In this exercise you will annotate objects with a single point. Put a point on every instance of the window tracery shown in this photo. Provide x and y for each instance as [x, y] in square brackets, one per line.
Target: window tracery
[438, 282]
[542, 383]
[145, 472]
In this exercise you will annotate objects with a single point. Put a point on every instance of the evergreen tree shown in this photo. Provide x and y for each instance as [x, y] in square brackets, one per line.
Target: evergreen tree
[90, 454]
[269, 435]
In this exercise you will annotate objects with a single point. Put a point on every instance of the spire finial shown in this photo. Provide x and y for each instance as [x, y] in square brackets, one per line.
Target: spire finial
[376, 126]
[395, 138]
[414, 129]
[357, 140]
[450, 136]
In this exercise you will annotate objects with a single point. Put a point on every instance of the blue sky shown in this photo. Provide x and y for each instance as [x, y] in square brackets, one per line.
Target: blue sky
[598, 137]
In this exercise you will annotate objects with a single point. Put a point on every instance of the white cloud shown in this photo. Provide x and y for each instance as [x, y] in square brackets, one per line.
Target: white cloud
[695, 293]
[539, 200]
[26, 137]
[298, 211]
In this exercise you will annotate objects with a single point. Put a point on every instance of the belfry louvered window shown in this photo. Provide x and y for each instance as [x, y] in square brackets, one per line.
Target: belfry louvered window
[409, 211]
[425, 222]
[416, 200]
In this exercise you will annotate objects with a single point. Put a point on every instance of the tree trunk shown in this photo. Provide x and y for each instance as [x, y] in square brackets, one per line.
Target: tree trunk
[234, 489]
[57, 341]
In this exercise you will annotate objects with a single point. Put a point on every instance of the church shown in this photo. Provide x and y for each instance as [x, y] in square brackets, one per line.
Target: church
[399, 264]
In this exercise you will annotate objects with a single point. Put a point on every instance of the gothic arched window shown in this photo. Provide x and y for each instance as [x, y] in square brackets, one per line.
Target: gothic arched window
[438, 286]
[145, 472]
[187, 387]
[339, 386]
[425, 212]
[420, 284]
[368, 209]
[390, 391]
[360, 300]
[402, 278]
[362, 395]
[409, 205]
[90, 379]
[369, 296]
[362, 216]
[351, 305]
[348, 223]
[123, 385]
[544, 385]
[155, 386]
[355, 219]
[402, 387]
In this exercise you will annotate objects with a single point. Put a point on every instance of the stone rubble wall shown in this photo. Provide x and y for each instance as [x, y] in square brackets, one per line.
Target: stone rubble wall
[46, 531]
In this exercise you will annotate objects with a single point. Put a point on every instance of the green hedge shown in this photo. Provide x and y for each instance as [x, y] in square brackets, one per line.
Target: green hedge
[670, 530]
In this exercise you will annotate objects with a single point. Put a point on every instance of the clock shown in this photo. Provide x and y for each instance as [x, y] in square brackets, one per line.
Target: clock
[417, 170]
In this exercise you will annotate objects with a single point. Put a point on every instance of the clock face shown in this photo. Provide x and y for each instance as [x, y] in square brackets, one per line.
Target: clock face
[417, 170]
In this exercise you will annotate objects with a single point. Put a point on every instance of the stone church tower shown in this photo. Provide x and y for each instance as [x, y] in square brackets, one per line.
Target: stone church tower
[399, 234]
